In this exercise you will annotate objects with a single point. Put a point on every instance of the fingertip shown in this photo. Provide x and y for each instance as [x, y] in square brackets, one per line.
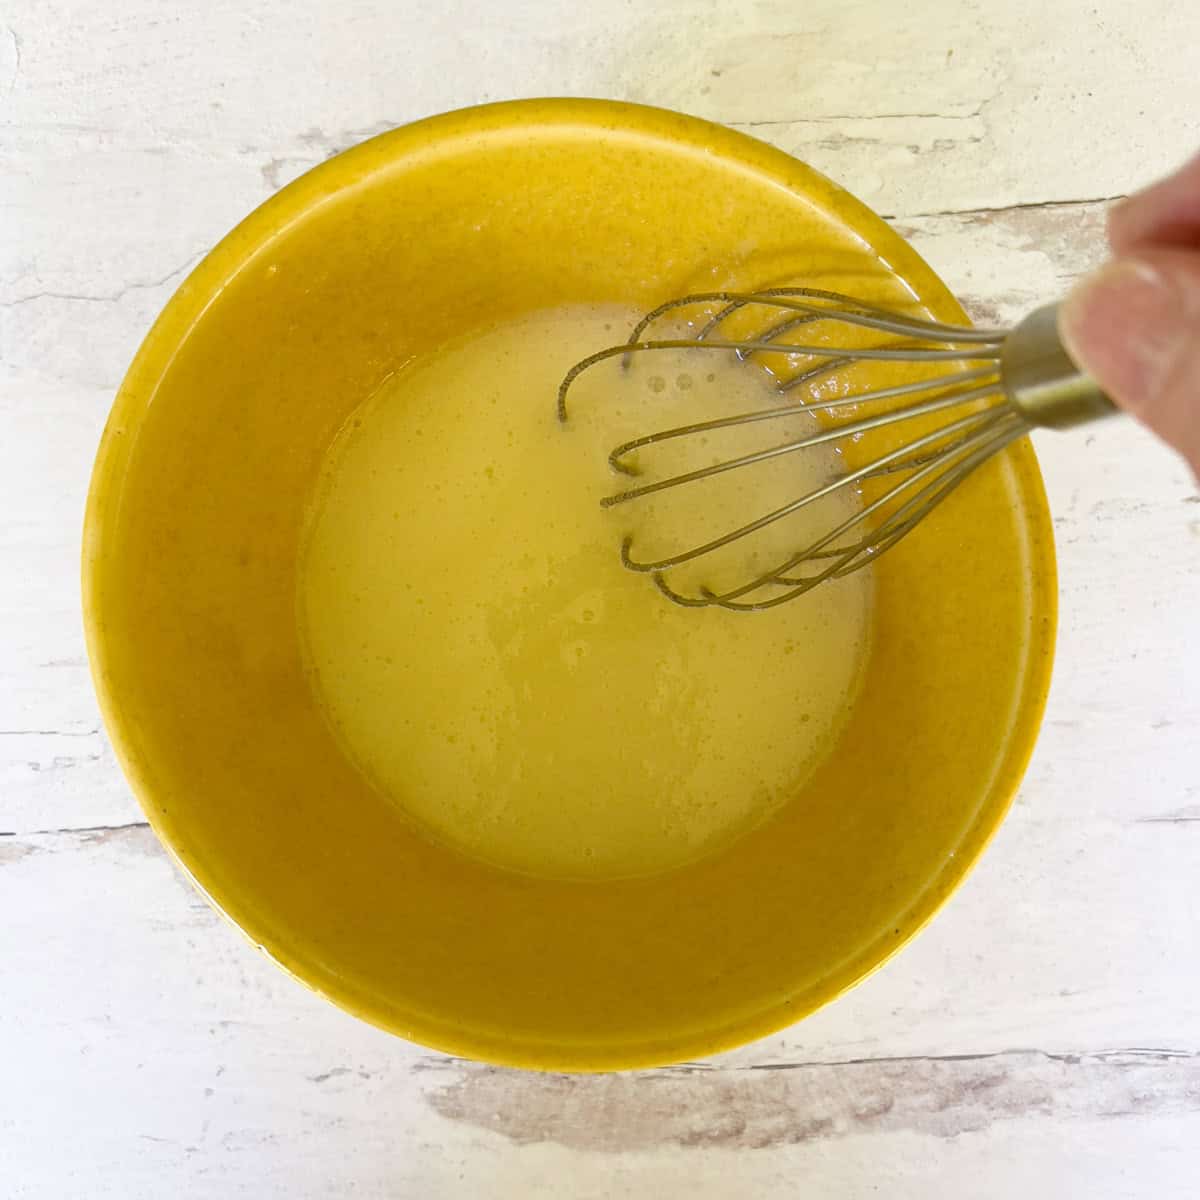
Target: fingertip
[1165, 213]
[1111, 324]
[1134, 327]
[1117, 222]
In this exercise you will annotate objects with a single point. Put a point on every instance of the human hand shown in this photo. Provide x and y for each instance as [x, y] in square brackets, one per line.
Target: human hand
[1134, 324]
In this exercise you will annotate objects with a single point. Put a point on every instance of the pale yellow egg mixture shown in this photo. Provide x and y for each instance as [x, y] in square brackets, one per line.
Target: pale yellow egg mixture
[490, 665]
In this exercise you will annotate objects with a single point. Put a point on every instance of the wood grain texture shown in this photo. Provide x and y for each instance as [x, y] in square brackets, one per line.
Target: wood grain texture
[1040, 1038]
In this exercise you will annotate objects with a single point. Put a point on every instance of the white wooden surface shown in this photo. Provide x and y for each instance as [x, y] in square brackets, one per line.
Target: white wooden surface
[1042, 1038]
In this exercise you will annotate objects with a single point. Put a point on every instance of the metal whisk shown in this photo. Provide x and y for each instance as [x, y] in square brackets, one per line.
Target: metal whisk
[991, 387]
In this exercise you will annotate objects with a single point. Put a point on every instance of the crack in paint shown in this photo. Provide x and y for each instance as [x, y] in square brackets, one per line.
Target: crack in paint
[49, 732]
[832, 117]
[1023, 205]
[111, 298]
[84, 831]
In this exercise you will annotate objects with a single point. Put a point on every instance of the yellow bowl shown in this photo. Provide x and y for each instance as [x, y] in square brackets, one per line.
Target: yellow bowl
[189, 574]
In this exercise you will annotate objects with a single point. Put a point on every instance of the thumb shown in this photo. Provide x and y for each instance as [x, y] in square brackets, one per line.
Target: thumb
[1134, 326]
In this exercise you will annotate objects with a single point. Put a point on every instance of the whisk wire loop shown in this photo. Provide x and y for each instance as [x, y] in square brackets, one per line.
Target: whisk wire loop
[1001, 383]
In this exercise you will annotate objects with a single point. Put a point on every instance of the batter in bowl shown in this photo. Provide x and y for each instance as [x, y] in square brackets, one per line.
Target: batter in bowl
[490, 665]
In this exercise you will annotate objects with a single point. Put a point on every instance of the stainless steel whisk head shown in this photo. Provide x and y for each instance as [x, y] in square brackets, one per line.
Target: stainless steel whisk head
[991, 387]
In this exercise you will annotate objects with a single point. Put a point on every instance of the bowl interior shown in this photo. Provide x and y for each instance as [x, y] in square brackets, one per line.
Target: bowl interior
[193, 529]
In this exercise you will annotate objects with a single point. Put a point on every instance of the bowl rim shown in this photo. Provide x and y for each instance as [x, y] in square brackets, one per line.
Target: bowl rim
[186, 308]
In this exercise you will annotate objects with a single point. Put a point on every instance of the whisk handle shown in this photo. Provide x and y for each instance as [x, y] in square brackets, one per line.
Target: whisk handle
[1042, 382]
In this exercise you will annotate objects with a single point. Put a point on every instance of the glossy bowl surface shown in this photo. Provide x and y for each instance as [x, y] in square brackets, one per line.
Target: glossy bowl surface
[192, 533]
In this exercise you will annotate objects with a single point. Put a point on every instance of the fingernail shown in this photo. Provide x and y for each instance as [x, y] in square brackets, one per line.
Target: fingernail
[1123, 325]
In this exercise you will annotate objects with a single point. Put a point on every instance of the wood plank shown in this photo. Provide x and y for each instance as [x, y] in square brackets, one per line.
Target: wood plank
[232, 1077]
